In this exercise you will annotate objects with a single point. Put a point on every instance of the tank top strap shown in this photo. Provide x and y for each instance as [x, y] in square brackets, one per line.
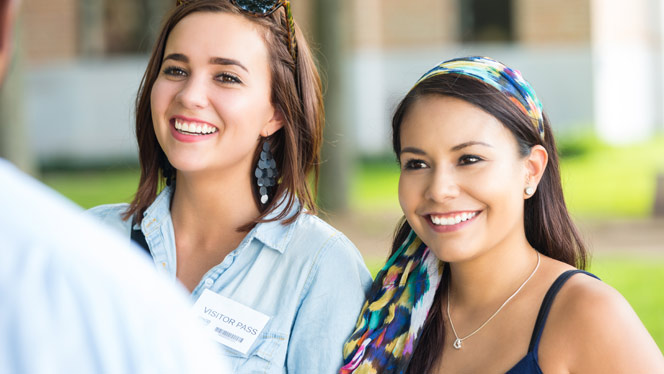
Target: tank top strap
[546, 307]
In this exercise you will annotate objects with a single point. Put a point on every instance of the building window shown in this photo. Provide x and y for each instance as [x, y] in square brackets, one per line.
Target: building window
[119, 27]
[486, 21]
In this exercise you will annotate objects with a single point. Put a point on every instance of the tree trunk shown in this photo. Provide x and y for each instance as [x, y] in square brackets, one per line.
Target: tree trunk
[658, 210]
[155, 11]
[92, 41]
[330, 35]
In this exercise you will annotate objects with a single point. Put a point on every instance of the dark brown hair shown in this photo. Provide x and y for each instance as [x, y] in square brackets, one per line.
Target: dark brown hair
[296, 92]
[548, 226]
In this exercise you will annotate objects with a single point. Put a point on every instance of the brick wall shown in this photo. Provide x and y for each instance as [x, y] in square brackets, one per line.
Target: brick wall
[552, 21]
[435, 22]
[51, 25]
[50, 28]
[419, 23]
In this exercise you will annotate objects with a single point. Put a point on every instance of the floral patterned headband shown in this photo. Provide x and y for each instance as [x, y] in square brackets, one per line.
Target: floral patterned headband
[504, 79]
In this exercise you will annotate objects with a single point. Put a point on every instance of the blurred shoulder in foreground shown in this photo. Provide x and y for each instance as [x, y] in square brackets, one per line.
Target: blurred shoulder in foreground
[74, 298]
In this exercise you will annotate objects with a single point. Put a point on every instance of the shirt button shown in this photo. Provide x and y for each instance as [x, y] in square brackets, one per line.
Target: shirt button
[208, 283]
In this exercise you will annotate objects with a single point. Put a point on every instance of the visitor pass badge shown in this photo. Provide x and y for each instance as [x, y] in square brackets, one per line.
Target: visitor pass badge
[229, 322]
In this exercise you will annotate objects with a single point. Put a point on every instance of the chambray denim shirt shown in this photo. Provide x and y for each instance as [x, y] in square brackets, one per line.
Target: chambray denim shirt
[307, 276]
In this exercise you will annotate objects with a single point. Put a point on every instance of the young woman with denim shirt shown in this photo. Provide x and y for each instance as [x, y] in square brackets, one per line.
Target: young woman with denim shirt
[229, 123]
[485, 273]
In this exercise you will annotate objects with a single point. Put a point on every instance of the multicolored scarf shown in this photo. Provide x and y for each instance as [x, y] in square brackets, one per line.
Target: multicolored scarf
[504, 79]
[397, 306]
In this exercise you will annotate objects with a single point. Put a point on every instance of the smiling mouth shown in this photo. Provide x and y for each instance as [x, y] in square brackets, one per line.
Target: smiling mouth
[194, 128]
[452, 219]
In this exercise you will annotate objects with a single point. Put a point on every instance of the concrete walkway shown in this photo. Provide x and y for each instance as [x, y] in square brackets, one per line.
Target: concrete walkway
[640, 235]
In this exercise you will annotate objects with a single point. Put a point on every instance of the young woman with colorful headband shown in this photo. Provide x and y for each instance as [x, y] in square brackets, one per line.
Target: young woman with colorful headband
[484, 273]
[229, 122]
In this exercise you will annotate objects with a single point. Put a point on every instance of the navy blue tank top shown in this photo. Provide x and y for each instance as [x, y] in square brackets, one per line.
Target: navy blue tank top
[530, 363]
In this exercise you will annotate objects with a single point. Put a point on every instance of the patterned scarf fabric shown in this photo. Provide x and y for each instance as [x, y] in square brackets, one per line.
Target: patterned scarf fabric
[505, 79]
[397, 306]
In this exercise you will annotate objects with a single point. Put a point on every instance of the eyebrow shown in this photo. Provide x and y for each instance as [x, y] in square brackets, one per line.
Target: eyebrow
[470, 143]
[227, 61]
[214, 60]
[414, 150]
[457, 147]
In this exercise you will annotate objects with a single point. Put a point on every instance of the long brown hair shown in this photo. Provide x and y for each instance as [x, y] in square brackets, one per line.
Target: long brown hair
[296, 92]
[548, 226]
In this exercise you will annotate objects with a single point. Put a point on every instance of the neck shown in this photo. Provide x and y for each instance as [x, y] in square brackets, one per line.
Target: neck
[493, 276]
[205, 203]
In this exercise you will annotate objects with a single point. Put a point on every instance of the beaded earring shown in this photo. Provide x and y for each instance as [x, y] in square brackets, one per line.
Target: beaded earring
[266, 173]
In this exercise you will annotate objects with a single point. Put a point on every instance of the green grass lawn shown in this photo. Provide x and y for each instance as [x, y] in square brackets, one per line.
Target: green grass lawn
[599, 181]
[94, 187]
[613, 181]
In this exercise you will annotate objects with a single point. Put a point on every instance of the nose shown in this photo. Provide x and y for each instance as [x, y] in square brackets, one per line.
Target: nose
[443, 185]
[193, 94]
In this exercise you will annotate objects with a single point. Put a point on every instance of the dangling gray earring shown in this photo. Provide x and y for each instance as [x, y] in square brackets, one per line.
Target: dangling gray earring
[266, 173]
[530, 191]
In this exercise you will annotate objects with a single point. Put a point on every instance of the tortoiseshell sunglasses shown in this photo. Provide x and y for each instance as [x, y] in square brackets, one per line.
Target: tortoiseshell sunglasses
[263, 8]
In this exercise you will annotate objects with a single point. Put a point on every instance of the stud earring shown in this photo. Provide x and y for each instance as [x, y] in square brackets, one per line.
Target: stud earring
[530, 190]
[266, 173]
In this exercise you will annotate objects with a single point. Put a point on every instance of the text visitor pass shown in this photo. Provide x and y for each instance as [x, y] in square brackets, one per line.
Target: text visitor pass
[230, 323]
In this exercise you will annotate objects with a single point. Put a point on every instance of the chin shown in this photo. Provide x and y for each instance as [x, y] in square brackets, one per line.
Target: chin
[451, 252]
[186, 164]
[452, 255]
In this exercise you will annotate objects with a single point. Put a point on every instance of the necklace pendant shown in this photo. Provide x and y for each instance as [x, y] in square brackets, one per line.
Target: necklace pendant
[457, 344]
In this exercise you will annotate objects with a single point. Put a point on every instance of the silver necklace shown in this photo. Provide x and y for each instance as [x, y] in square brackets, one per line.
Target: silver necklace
[458, 340]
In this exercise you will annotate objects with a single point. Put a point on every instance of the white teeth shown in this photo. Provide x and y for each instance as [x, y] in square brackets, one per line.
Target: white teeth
[448, 221]
[194, 128]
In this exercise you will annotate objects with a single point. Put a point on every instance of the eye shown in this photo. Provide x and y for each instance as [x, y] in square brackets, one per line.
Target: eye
[469, 160]
[415, 164]
[174, 71]
[228, 78]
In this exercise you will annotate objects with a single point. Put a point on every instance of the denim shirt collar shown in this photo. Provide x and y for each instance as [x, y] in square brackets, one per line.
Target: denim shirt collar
[273, 234]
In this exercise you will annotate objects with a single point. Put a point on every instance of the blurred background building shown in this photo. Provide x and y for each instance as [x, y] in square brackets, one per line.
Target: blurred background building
[83, 61]
[66, 108]
[596, 64]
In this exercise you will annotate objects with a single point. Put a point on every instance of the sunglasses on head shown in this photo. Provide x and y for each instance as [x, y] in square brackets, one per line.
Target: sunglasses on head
[263, 8]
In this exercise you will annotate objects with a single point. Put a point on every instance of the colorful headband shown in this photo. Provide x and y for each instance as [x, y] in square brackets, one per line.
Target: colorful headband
[504, 79]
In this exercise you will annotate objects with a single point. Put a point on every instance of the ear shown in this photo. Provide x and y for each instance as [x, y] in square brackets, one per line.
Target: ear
[274, 124]
[535, 164]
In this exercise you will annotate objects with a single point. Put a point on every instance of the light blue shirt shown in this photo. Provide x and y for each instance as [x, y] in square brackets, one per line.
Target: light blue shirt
[76, 298]
[306, 276]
